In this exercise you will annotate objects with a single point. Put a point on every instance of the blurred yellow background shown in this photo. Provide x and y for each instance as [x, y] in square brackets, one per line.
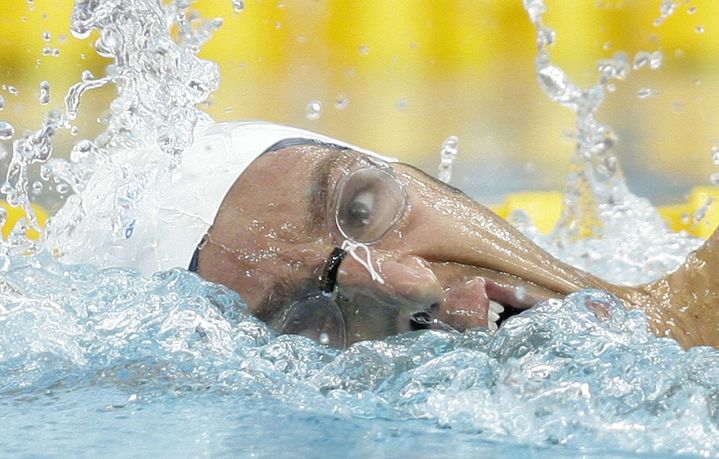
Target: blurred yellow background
[401, 76]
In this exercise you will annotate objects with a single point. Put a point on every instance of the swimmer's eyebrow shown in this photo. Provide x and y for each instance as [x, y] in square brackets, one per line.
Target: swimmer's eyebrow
[319, 190]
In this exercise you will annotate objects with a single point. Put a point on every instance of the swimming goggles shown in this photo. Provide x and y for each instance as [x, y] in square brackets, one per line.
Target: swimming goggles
[368, 202]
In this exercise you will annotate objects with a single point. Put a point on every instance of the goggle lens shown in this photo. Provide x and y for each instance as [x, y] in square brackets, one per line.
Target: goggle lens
[369, 203]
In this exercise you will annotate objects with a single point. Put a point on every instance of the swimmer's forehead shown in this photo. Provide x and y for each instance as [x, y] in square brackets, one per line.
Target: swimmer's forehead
[312, 163]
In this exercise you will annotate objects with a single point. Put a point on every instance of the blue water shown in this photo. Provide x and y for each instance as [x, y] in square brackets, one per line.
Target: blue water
[109, 362]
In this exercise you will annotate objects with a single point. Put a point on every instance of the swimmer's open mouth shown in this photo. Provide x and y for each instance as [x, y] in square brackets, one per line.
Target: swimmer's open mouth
[481, 298]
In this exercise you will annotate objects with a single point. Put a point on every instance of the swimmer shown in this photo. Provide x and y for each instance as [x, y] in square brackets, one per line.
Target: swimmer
[342, 245]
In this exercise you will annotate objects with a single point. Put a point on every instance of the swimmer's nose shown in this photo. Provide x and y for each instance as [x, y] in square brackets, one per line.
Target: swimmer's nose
[406, 282]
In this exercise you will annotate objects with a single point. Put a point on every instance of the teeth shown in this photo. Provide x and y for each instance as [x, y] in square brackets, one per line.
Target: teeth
[495, 309]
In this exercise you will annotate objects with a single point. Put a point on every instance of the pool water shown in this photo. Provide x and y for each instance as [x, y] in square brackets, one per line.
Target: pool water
[111, 360]
[97, 359]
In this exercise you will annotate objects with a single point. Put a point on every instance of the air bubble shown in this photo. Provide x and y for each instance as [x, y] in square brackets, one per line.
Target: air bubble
[699, 29]
[364, 50]
[715, 154]
[402, 105]
[13, 90]
[313, 110]
[46, 36]
[324, 338]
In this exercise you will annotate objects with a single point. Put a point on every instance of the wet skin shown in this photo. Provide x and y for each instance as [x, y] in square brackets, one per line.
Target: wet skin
[447, 255]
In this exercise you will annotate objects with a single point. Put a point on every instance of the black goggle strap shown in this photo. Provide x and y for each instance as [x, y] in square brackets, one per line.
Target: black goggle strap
[328, 278]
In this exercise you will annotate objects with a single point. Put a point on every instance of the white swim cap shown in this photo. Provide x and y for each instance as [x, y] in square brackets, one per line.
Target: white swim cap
[218, 156]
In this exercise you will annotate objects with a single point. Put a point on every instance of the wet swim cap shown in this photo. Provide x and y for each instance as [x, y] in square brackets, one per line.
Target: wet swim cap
[218, 156]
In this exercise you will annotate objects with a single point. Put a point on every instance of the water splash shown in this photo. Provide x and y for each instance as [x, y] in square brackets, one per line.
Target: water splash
[597, 202]
[160, 81]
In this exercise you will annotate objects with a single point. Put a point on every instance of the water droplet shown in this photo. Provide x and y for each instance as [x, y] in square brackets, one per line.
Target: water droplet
[7, 131]
[616, 68]
[447, 155]
[313, 110]
[667, 8]
[715, 154]
[364, 50]
[653, 60]
[238, 6]
[37, 187]
[692, 10]
[44, 92]
[341, 102]
[545, 36]
[714, 178]
[699, 29]
[13, 90]
[324, 338]
[401, 105]
[702, 211]
[607, 46]
[611, 87]
[2, 103]
[46, 36]
[643, 93]
[74, 130]
[47, 51]
[535, 9]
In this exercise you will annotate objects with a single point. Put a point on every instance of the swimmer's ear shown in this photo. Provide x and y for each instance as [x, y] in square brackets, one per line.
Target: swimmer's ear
[688, 298]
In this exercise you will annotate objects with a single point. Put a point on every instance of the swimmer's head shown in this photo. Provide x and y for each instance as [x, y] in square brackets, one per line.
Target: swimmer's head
[342, 246]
